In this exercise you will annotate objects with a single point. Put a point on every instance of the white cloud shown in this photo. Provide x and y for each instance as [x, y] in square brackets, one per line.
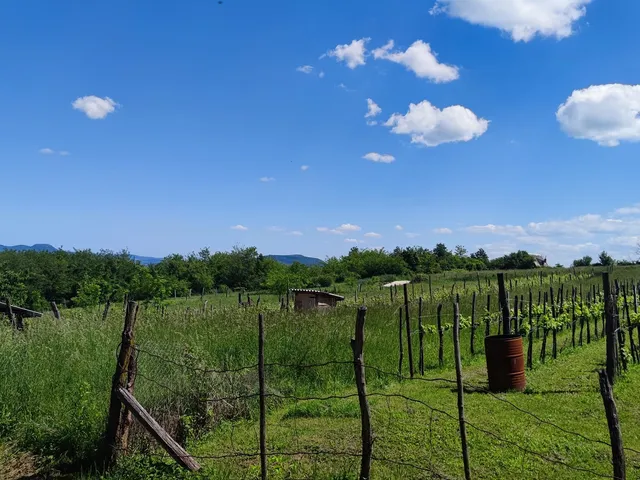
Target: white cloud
[371, 123]
[275, 229]
[634, 210]
[63, 153]
[305, 69]
[353, 54]
[344, 87]
[348, 227]
[584, 225]
[443, 231]
[46, 151]
[372, 109]
[295, 233]
[304, 168]
[626, 240]
[267, 179]
[379, 157]
[353, 240]
[412, 235]
[399, 227]
[607, 114]
[431, 126]
[372, 235]
[321, 75]
[497, 229]
[522, 19]
[419, 59]
[95, 107]
[329, 230]
[239, 227]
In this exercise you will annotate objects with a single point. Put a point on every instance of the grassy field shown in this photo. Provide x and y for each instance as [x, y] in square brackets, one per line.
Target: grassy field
[54, 389]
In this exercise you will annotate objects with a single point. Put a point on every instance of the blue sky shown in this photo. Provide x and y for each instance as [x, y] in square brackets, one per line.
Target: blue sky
[151, 125]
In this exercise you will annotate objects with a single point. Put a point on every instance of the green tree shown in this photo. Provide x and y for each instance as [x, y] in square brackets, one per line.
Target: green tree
[583, 262]
[605, 259]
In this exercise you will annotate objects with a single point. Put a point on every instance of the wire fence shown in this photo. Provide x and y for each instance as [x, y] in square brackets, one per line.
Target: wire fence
[215, 410]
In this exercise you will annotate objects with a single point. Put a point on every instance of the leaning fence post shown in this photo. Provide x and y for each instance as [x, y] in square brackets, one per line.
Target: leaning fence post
[615, 434]
[54, 309]
[357, 346]
[112, 440]
[261, 380]
[460, 388]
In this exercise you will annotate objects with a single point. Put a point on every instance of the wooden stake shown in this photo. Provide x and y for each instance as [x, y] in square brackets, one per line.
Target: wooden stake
[408, 322]
[530, 346]
[357, 346]
[54, 309]
[473, 323]
[460, 388]
[440, 337]
[504, 305]
[262, 387]
[421, 338]
[613, 422]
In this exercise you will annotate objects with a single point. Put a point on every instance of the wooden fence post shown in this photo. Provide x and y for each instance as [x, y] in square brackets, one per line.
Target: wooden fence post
[460, 388]
[357, 346]
[408, 322]
[504, 305]
[530, 346]
[473, 324]
[400, 346]
[261, 380]
[112, 441]
[487, 328]
[609, 306]
[126, 418]
[613, 422]
[54, 309]
[440, 337]
[421, 338]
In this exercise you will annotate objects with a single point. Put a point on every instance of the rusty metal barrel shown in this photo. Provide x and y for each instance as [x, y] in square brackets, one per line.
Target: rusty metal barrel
[505, 363]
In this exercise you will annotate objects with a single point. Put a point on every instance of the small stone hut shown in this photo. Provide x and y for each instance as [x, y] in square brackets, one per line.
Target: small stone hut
[306, 299]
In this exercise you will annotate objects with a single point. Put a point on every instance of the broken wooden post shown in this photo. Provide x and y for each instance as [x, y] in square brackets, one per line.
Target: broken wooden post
[112, 439]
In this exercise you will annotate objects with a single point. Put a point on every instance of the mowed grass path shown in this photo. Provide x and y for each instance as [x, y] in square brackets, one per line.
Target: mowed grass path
[563, 392]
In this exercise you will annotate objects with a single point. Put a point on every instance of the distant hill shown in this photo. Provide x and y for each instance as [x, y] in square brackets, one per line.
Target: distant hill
[38, 247]
[289, 259]
[44, 247]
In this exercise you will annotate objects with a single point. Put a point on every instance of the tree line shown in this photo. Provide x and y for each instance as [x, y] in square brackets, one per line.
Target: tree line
[84, 278]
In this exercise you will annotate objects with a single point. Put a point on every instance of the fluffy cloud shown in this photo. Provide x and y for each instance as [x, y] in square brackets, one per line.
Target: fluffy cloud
[372, 235]
[522, 19]
[372, 109]
[295, 233]
[334, 231]
[379, 157]
[348, 227]
[419, 59]
[584, 225]
[275, 229]
[634, 210]
[304, 168]
[430, 126]
[239, 227]
[399, 227]
[443, 231]
[305, 69]
[497, 229]
[95, 107]
[353, 54]
[353, 240]
[321, 75]
[46, 151]
[607, 114]
[267, 179]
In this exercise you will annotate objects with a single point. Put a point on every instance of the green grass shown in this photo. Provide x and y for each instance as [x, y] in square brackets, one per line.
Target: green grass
[54, 387]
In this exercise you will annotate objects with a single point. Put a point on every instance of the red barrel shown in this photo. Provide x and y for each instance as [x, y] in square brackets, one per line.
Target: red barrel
[505, 363]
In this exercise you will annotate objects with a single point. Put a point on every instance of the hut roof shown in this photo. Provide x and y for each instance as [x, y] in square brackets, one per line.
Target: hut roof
[22, 312]
[309, 290]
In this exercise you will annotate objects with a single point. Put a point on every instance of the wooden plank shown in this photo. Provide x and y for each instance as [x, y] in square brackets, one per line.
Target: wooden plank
[178, 453]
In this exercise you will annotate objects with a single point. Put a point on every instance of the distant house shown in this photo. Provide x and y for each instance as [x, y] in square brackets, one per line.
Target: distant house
[306, 299]
[539, 260]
